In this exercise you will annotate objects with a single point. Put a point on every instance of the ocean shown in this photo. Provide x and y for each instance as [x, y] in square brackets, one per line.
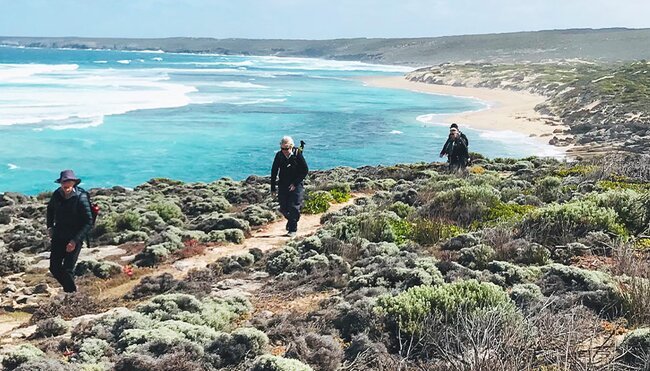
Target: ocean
[122, 118]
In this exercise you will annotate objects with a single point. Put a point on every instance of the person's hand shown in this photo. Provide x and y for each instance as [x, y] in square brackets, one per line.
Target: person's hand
[70, 246]
[292, 188]
[49, 232]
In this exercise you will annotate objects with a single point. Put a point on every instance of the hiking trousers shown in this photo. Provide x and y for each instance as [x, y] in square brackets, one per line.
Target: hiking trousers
[290, 204]
[62, 263]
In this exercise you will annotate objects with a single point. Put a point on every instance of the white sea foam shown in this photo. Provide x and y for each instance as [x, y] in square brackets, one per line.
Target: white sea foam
[124, 61]
[396, 132]
[157, 59]
[508, 136]
[330, 65]
[77, 123]
[12, 166]
[36, 95]
[12, 71]
[258, 101]
[100, 62]
[240, 85]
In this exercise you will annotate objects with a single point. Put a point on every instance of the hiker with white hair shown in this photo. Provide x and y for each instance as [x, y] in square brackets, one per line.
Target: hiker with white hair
[287, 174]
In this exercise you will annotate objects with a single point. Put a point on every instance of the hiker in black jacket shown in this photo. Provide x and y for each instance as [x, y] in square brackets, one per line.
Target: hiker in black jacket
[292, 169]
[461, 134]
[456, 150]
[69, 219]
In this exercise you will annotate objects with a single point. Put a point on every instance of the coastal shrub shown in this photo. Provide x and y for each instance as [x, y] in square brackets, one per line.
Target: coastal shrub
[317, 202]
[340, 191]
[407, 310]
[463, 205]
[232, 235]
[135, 362]
[579, 169]
[461, 241]
[274, 363]
[557, 224]
[94, 350]
[127, 221]
[595, 290]
[631, 206]
[399, 271]
[101, 269]
[51, 327]
[231, 349]
[526, 294]
[283, 260]
[213, 312]
[44, 364]
[256, 215]
[428, 232]
[513, 274]
[234, 263]
[506, 212]
[402, 209]
[19, 355]
[521, 251]
[321, 352]
[104, 225]
[476, 257]
[152, 285]
[11, 262]
[166, 210]
[566, 254]
[635, 348]
[67, 307]
[548, 189]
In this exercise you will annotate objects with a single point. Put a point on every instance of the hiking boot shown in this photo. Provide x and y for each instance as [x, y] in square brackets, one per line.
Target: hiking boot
[291, 234]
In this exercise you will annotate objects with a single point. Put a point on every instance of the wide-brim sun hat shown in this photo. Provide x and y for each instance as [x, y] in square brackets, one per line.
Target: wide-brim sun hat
[67, 175]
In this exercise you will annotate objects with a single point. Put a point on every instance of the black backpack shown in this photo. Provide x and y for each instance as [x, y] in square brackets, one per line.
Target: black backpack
[94, 210]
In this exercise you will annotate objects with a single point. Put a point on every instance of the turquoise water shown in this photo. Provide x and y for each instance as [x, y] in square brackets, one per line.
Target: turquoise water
[121, 118]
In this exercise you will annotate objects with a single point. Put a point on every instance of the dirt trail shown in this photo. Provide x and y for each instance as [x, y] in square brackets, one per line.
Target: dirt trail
[272, 235]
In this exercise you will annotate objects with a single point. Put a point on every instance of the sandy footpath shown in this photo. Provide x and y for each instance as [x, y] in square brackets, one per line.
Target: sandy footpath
[508, 111]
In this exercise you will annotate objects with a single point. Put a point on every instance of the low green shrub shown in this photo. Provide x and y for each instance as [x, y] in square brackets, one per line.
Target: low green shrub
[317, 202]
[410, 308]
[476, 257]
[21, 354]
[558, 224]
[428, 232]
[526, 294]
[101, 269]
[166, 210]
[464, 205]
[127, 221]
[51, 327]
[269, 362]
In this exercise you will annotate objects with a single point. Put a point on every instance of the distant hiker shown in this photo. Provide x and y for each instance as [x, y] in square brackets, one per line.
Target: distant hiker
[455, 149]
[69, 219]
[292, 169]
[462, 136]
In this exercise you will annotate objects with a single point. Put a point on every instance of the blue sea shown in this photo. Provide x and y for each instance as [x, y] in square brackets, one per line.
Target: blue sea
[122, 118]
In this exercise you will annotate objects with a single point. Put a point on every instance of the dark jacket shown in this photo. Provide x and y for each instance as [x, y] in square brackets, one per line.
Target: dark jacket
[292, 170]
[444, 147]
[456, 150]
[69, 218]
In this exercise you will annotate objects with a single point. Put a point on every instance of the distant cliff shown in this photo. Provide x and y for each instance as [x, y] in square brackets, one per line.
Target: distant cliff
[612, 44]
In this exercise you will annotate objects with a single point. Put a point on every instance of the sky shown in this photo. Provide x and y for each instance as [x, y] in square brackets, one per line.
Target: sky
[310, 19]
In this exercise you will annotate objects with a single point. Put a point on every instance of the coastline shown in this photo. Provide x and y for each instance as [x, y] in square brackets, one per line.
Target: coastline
[507, 111]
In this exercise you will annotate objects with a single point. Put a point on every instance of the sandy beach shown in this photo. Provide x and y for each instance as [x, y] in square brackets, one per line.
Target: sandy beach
[509, 110]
